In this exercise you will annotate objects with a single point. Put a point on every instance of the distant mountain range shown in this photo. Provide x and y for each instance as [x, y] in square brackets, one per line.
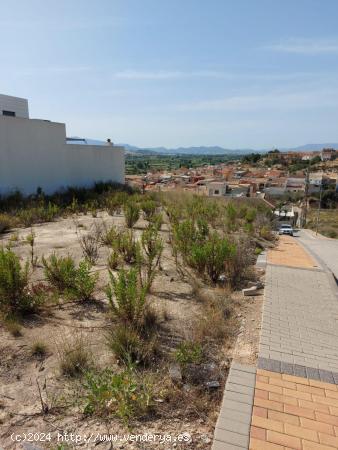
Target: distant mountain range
[212, 150]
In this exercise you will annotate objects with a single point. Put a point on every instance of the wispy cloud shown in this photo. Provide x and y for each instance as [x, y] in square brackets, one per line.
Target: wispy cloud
[271, 101]
[221, 74]
[306, 46]
[167, 74]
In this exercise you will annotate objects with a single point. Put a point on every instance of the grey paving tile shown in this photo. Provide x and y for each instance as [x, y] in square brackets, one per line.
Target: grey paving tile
[218, 445]
[312, 373]
[233, 425]
[299, 371]
[234, 387]
[237, 406]
[237, 397]
[231, 437]
[229, 413]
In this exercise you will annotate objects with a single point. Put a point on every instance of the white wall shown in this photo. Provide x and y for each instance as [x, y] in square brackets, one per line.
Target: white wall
[34, 153]
[15, 104]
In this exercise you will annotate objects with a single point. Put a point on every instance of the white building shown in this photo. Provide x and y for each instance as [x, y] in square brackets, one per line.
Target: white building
[35, 153]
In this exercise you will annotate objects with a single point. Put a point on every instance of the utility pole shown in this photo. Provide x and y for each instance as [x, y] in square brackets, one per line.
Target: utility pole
[319, 205]
[320, 198]
[306, 196]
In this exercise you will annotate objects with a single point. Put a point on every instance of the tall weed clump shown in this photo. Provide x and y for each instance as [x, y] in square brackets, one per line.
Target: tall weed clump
[150, 258]
[126, 297]
[132, 337]
[131, 211]
[67, 279]
[210, 257]
[16, 296]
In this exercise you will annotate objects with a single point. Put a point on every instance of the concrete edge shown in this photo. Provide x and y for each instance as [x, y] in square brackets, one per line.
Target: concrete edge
[232, 429]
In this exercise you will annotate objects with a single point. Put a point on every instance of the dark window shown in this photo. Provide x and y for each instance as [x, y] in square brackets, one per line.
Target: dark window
[216, 192]
[8, 113]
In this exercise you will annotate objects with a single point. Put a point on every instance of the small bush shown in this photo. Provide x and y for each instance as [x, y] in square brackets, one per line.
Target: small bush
[189, 353]
[237, 267]
[152, 246]
[13, 327]
[126, 296]
[15, 295]
[148, 208]
[127, 246]
[130, 347]
[113, 260]
[125, 395]
[211, 256]
[90, 244]
[84, 283]
[109, 236]
[6, 222]
[39, 349]
[75, 357]
[114, 202]
[60, 272]
[69, 280]
[131, 213]
[266, 233]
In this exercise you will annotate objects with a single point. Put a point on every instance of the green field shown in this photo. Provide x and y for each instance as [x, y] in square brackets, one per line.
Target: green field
[141, 164]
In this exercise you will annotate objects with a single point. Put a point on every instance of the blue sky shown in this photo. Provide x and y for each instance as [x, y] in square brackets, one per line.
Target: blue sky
[234, 73]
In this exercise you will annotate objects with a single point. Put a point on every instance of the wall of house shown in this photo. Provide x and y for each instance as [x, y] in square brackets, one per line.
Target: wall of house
[34, 153]
[15, 104]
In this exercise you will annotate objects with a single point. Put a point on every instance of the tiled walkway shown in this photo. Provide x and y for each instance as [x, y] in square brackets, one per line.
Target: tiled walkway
[295, 401]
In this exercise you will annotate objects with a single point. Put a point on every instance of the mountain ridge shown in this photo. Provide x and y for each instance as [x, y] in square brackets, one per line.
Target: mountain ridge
[211, 150]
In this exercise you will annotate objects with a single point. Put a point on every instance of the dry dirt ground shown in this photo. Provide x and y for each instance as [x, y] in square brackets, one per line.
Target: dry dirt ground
[22, 375]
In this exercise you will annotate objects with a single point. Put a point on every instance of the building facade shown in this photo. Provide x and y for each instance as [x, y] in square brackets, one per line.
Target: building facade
[35, 153]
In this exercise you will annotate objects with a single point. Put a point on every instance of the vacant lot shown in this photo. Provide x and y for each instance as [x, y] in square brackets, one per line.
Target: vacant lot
[100, 360]
[328, 222]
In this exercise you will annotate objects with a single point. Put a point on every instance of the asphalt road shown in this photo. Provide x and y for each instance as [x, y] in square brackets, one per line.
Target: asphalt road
[325, 249]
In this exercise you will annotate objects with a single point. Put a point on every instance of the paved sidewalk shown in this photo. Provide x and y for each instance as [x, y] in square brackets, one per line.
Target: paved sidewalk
[300, 319]
[289, 253]
[324, 248]
[294, 402]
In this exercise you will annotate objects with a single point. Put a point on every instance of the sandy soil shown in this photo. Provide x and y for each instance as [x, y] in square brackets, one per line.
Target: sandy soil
[23, 375]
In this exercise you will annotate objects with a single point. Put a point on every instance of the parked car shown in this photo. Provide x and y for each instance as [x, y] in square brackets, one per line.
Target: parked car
[286, 229]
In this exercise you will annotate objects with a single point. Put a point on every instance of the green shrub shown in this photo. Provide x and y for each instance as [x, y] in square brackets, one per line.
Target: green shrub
[127, 246]
[114, 202]
[15, 295]
[66, 278]
[60, 272]
[187, 233]
[250, 215]
[238, 264]
[109, 236]
[84, 282]
[113, 260]
[231, 217]
[265, 233]
[131, 213]
[211, 256]
[126, 296]
[125, 395]
[152, 246]
[189, 353]
[148, 208]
